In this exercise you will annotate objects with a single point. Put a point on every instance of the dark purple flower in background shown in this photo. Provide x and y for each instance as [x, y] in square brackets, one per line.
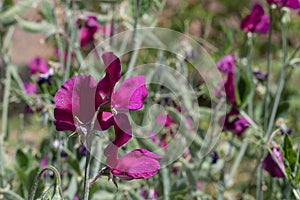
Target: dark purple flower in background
[149, 195]
[271, 166]
[214, 157]
[256, 21]
[30, 88]
[229, 87]
[234, 123]
[88, 29]
[82, 150]
[293, 4]
[260, 76]
[38, 66]
[227, 66]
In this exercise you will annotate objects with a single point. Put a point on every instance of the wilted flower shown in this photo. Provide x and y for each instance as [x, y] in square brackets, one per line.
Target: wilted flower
[256, 21]
[270, 165]
[293, 4]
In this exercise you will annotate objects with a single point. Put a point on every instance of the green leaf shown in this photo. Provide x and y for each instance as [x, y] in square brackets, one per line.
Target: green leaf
[21, 159]
[290, 157]
[47, 11]
[9, 16]
[6, 5]
[243, 88]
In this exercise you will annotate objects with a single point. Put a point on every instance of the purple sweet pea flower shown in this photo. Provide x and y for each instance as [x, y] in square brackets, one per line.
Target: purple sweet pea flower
[293, 4]
[129, 96]
[256, 21]
[76, 98]
[38, 66]
[227, 64]
[30, 88]
[88, 30]
[235, 124]
[271, 166]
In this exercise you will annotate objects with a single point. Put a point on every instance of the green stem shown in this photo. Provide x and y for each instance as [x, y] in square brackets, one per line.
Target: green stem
[274, 110]
[4, 121]
[36, 181]
[73, 33]
[86, 176]
[269, 61]
[280, 86]
[250, 75]
[237, 161]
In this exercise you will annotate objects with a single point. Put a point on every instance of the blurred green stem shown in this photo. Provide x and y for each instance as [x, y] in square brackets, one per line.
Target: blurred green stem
[86, 175]
[250, 74]
[280, 85]
[10, 193]
[274, 109]
[269, 61]
[5, 41]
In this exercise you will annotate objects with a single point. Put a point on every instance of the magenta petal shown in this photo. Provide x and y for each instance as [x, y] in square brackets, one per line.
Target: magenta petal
[227, 64]
[64, 120]
[264, 25]
[122, 128]
[84, 98]
[30, 88]
[256, 21]
[76, 97]
[271, 166]
[113, 73]
[294, 4]
[38, 65]
[130, 95]
[230, 88]
[106, 120]
[137, 164]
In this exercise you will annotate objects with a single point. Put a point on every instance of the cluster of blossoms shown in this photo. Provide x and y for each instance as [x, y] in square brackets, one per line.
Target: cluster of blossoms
[255, 22]
[80, 100]
[232, 121]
